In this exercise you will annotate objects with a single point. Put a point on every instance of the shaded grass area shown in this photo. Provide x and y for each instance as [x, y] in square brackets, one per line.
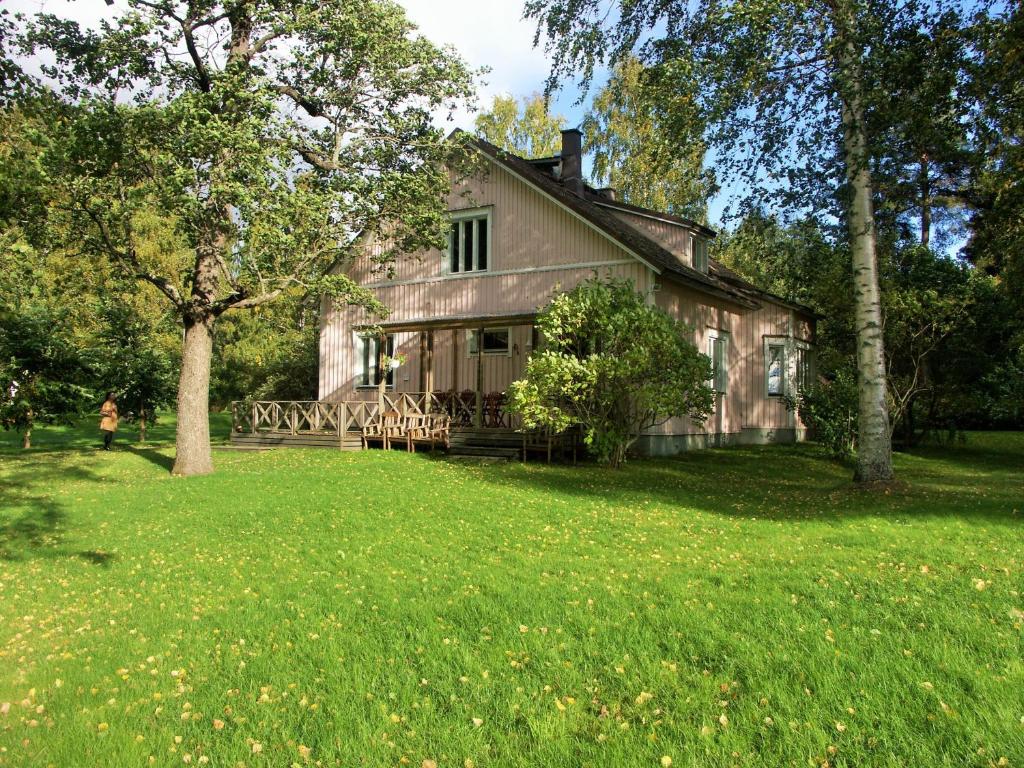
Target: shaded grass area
[731, 607]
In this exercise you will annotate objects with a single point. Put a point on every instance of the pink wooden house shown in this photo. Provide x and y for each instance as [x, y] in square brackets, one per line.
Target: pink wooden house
[524, 230]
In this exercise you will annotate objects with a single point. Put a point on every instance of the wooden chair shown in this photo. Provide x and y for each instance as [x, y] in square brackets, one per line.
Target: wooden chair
[428, 429]
[382, 429]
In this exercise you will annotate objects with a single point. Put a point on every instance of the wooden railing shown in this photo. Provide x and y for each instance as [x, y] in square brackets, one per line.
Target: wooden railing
[304, 417]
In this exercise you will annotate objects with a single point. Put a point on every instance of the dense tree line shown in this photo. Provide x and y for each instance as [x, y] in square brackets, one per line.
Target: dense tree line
[861, 121]
[152, 163]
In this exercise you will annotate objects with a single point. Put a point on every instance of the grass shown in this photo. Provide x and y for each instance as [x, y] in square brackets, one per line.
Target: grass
[740, 607]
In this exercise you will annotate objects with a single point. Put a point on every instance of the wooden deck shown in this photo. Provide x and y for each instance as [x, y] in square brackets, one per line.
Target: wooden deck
[478, 428]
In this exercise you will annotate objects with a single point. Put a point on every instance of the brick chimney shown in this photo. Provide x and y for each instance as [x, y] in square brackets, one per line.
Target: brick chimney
[572, 159]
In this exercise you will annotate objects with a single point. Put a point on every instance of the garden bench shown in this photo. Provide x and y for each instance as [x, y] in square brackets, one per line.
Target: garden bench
[427, 429]
[382, 429]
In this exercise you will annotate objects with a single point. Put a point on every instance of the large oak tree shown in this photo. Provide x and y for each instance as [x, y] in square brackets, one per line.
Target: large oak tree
[269, 133]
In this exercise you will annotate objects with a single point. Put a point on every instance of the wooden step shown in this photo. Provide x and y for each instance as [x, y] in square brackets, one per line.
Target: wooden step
[485, 451]
[351, 441]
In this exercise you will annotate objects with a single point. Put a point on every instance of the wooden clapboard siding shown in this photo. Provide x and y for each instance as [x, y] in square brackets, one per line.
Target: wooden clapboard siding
[528, 231]
[746, 403]
[537, 250]
[339, 366]
[669, 235]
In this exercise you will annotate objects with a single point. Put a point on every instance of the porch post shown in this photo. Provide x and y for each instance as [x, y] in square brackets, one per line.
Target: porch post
[382, 376]
[423, 361]
[430, 361]
[478, 418]
[455, 360]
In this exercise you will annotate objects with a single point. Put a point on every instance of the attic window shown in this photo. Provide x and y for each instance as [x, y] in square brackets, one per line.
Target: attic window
[699, 250]
[469, 241]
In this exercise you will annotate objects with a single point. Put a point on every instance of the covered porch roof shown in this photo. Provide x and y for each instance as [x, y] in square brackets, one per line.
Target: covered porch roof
[447, 322]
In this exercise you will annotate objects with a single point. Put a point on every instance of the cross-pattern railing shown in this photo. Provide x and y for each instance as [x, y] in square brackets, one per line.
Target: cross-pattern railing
[304, 417]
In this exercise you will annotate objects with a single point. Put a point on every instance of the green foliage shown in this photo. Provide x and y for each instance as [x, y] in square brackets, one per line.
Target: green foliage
[612, 364]
[635, 153]
[926, 299]
[997, 83]
[829, 410]
[271, 353]
[530, 132]
[40, 370]
[131, 357]
[272, 137]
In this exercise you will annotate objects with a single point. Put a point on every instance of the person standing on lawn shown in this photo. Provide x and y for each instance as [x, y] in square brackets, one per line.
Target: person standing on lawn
[108, 424]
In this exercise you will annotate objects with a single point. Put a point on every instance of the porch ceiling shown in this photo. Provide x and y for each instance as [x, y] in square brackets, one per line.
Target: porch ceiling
[458, 321]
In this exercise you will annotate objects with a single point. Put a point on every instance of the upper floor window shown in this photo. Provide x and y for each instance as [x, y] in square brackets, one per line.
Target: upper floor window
[469, 241]
[699, 250]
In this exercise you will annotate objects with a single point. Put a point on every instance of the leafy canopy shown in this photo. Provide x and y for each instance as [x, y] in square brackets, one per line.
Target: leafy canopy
[270, 134]
[612, 364]
[531, 132]
[635, 154]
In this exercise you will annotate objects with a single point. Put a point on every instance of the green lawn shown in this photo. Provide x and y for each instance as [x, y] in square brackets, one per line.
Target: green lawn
[732, 607]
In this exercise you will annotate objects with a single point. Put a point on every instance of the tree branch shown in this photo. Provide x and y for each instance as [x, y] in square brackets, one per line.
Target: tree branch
[130, 258]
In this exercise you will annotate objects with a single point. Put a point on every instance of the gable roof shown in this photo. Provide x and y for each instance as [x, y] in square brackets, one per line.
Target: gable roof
[594, 208]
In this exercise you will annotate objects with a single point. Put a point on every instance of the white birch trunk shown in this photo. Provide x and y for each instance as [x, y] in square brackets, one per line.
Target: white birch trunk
[874, 451]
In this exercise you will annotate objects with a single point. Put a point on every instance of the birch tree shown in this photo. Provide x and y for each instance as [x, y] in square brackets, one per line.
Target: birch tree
[268, 133]
[525, 127]
[635, 153]
[785, 87]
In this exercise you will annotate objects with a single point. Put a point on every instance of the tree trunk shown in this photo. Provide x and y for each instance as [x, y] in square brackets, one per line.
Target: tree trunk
[26, 439]
[193, 455]
[874, 453]
[142, 423]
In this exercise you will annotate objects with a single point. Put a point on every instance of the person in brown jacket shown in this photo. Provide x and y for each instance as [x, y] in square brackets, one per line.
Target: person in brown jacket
[108, 424]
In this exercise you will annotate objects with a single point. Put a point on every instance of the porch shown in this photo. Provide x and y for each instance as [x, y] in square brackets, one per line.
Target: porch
[479, 422]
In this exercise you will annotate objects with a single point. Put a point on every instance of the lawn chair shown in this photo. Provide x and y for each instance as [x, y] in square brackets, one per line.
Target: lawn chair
[429, 429]
[382, 429]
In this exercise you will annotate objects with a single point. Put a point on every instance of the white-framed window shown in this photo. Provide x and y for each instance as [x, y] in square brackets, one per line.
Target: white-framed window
[699, 252]
[775, 368]
[718, 351]
[497, 341]
[788, 366]
[469, 241]
[368, 358]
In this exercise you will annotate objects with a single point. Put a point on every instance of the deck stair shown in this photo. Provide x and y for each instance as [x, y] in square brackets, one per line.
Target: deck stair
[493, 443]
[351, 441]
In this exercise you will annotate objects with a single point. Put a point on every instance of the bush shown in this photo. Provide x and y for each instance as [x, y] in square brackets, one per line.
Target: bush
[829, 410]
[613, 365]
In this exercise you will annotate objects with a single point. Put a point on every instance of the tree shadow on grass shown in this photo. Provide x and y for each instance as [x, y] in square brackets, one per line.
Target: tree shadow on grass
[154, 456]
[791, 483]
[33, 522]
